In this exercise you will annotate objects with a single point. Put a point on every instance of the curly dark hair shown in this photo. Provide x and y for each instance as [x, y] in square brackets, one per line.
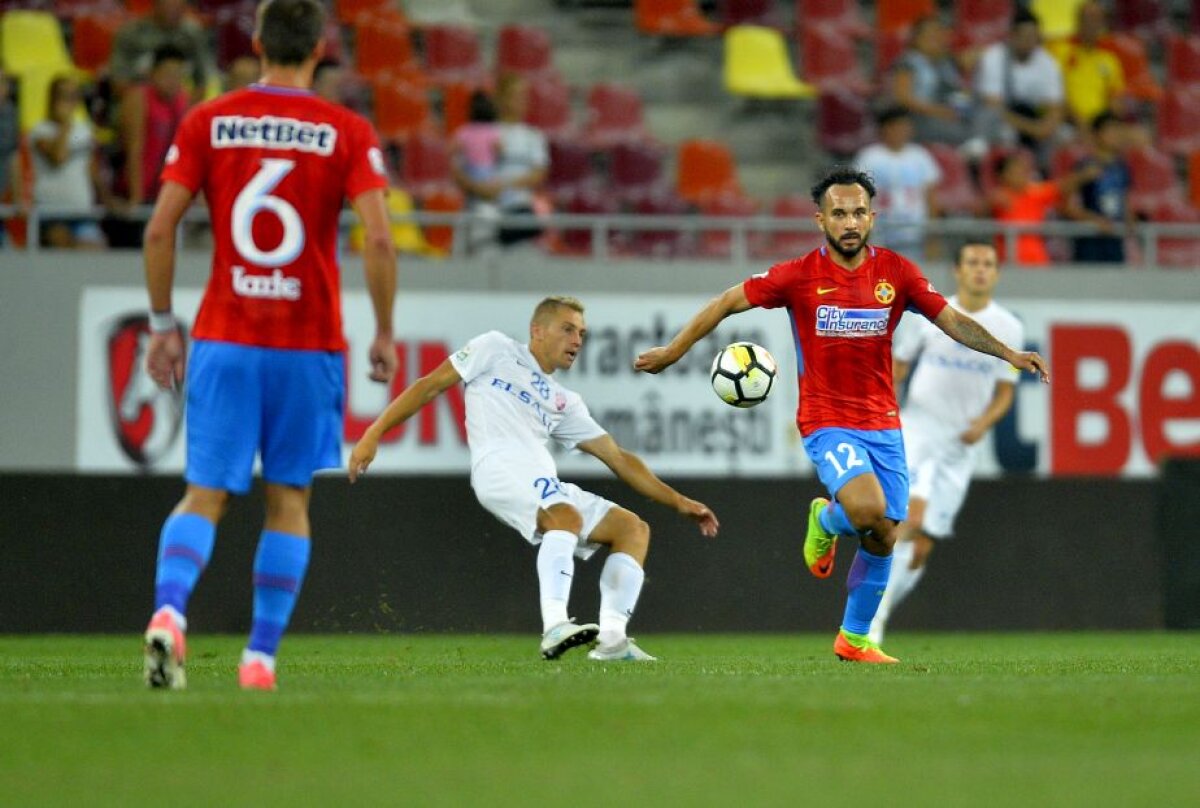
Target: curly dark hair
[842, 175]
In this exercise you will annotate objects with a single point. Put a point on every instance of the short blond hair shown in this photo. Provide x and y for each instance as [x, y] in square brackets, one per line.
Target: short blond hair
[552, 304]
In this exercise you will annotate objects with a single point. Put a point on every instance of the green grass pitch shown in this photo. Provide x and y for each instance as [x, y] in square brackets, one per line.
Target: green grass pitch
[972, 719]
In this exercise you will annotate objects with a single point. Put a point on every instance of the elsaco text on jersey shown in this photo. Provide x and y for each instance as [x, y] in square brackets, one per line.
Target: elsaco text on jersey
[270, 132]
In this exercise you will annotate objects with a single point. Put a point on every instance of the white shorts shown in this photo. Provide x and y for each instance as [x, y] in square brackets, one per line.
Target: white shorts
[939, 472]
[514, 490]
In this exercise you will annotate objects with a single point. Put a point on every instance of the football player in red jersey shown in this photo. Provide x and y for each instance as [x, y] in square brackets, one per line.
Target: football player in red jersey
[266, 372]
[844, 300]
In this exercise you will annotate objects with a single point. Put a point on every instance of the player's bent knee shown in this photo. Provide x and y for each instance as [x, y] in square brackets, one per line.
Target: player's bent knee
[866, 516]
[560, 517]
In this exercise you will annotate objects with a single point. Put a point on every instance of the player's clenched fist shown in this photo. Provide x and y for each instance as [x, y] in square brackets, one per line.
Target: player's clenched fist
[654, 360]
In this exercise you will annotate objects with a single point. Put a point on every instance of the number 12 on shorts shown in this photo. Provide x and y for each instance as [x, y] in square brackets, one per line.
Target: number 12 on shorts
[852, 458]
[548, 485]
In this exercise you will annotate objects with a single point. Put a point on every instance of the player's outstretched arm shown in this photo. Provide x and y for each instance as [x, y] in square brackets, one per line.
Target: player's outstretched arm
[634, 472]
[731, 301]
[379, 266]
[402, 407]
[962, 329]
[165, 355]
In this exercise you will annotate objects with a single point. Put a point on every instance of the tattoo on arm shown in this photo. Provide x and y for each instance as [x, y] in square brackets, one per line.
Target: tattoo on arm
[971, 334]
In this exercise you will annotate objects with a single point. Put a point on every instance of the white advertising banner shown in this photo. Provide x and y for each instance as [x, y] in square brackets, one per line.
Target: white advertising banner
[1125, 387]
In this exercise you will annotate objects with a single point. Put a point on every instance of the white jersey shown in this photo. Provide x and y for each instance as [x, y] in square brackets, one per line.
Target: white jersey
[954, 384]
[513, 405]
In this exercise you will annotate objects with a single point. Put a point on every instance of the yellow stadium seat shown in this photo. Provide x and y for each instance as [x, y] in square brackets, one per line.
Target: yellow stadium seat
[757, 65]
[1057, 17]
[406, 236]
[29, 38]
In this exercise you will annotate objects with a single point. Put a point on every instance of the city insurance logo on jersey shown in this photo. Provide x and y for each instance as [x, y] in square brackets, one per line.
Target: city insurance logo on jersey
[1125, 389]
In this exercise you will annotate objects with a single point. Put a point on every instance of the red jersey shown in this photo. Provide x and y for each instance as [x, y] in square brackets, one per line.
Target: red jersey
[843, 322]
[274, 165]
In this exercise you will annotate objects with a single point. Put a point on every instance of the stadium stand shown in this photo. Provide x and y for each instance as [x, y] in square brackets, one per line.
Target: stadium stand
[614, 115]
[757, 65]
[672, 18]
[841, 17]
[831, 62]
[707, 172]
[525, 50]
[981, 22]
[549, 105]
[895, 16]
[452, 55]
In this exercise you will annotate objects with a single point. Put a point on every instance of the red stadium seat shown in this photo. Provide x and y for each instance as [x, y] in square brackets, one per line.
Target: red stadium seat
[666, 243]
[719, 243]
[383, 45]
[92, 37]
[982, 22]
[674, 18]
[830, 60]
[401, 109]
[1140, 81]
[780, 244]
[844, 122]
[1145, 19]
[1183, 62]
[348, 11]
[839, 16]
[586, 199]
[570, 167]
[548, 105]
[444, 199]
[635, 169]
[525, 50]
[614, 115]
[234, 31]
[746, 12]
[1153, 178]
[1179, 121]
[452, 55]
[957, 194]
[892, 16]
[456, 105]
[1174, 251]
[889, 46]
[426, 163]
[707, 171]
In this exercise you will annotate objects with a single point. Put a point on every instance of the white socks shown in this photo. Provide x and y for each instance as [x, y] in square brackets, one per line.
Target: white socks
[556, 568]
[620, 584]
[900, 582]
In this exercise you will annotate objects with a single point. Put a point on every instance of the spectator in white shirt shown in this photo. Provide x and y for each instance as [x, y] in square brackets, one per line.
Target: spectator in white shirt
[906, 176]
[1021, 88]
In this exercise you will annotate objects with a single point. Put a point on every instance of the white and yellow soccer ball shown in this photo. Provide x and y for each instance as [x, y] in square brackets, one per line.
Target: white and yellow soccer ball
[742, 374]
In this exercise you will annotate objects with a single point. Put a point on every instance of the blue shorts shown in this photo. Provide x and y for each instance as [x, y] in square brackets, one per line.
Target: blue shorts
[285, 405]
[840, 455]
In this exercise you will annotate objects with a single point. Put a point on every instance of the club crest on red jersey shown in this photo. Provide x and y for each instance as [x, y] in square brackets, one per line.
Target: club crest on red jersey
[885, 293]
[145, 419]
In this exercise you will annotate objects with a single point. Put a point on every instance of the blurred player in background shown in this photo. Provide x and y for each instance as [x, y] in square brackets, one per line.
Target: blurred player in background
[954, 398]
[514, 406]
[266, 374]
[845, 300]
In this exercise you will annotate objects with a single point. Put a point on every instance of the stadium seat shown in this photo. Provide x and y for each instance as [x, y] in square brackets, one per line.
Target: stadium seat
[32, 38]
[757, 65]
[1179, 121]
[570, 167]
[92, 37]
[667, 243]
[383, 45]
[426, 163]
[525, 50]
[1174, 251]
[456, 105]
[889, 46]
[719, 243]
[746, 12]
[548, 105]
[452, 55]
[614, 115]
[841, 17]
[1057, 18]
[1146, 19]
[444, 199]
[1183, 61]
[233, 32]
[348, 11]
[783, 244]
[982, 22]
[635, 169]
[892, 16]
[674, 18]
[831, 61]
[586, 199]
[956, 193]
[844, 122]
[401, 109]
[1154, 182]
[1140, 81]
[707, 171]
[406, 236]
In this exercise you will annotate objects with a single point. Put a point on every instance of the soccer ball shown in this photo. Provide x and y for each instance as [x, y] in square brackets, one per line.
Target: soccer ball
[742, 374]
